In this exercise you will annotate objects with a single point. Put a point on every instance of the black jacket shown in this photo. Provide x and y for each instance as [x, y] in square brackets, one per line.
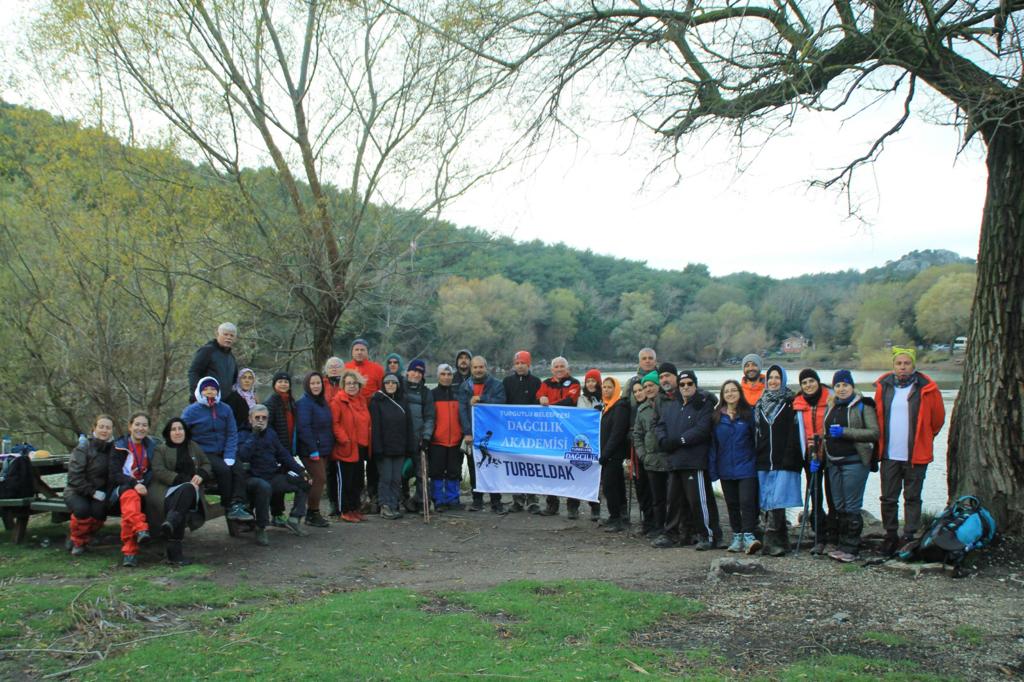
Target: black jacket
[89, 468]
[391, 424]
[778, 444]
[279, 418]
[521, 390]
[684, 431]
[615, 432]
[239, 408]
[213, 360]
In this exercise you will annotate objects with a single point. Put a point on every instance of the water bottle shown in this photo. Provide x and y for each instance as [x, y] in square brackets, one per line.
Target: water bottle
[81, 440]
[6, 446]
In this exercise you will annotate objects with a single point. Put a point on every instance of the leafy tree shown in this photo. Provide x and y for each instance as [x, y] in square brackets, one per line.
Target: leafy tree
[639, 326]
[715, 294]
[945, 309]
[562, 309]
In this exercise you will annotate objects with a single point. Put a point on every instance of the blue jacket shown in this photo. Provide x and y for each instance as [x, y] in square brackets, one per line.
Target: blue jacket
[493, 393]
[690, 423]
[313, 427]
[265, 455]
[732, 455]
[216, 436]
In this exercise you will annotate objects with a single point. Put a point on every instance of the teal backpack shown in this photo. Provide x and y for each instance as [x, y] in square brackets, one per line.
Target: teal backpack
[963, 527]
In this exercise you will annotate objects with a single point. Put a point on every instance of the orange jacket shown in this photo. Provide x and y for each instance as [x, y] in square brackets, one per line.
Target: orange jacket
[752, 390]
[351, 426]
[447, 429]
[372, 372]
[564, 392]
[926, 409]
[812, 417]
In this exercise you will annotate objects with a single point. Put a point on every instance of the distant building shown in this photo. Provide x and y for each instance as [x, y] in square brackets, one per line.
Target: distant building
[793, 344]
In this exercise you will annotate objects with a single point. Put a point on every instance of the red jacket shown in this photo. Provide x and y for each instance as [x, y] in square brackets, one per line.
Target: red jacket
[563, 392]
[925, 404]
[811, 417]
[372, 372]
[351, 426]
[447, 429]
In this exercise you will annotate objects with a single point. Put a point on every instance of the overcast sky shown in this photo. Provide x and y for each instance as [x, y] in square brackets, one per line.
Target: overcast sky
[597, 193]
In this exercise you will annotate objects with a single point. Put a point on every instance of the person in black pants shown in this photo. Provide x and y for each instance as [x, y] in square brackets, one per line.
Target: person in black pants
[271, 469]
[614, 451]
[733, 461]
[180, 470]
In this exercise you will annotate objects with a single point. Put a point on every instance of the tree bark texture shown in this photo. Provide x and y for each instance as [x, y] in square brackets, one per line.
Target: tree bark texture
[986, 436]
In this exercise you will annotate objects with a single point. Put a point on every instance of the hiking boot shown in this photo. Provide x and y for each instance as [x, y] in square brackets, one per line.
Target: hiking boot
[294, 524]
[737, 544]
[844, 557]
[818, 549]
[412, 505]
[142, 537]
[77, 550]
[615, 526]
[175, 555]
[477, 505]
[903, 544]
[704, 545]
[130, 561]
[315, 519]
[516, 507]
[549, 510]
[572, 514]
[350, 517]
[664, 541]
[387, 513]
[498, 508]
[595, 515]
[238, 512]
[889, 545]
[279, 521]
[262, 537]
[533, 508]
[751, 542]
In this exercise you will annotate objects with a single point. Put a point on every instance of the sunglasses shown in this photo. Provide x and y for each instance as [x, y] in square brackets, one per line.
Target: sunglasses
[687, 383]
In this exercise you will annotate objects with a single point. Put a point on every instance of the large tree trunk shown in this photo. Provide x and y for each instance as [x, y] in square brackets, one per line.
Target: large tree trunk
[986, 437]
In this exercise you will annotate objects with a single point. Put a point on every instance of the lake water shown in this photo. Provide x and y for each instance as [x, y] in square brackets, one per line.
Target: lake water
[935, 492]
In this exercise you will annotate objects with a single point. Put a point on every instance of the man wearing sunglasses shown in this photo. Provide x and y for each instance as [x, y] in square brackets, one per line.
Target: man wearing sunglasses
[684, 435]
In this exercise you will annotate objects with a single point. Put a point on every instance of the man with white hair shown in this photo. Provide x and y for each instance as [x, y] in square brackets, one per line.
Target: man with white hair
[214, 359]
[563, 390]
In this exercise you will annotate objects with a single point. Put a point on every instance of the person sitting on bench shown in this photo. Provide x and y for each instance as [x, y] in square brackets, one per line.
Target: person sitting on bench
[180, 470]
[271, 469]
[89, 484]
[131, 473]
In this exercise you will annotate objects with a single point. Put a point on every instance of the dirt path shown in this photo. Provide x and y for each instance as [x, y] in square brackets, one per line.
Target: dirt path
[970, 628]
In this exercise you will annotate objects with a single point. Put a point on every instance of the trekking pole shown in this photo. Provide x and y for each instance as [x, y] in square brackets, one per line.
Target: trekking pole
[629, 490]
[803, 519]
[423, 485]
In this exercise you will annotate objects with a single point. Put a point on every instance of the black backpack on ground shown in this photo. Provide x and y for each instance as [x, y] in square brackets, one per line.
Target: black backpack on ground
[963, 527]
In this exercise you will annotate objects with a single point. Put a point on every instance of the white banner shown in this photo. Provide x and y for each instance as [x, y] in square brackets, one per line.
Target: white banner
[537, 449]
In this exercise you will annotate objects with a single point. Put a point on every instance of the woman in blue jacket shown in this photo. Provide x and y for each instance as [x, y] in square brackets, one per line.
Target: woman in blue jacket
[314, 441]
[734, 463]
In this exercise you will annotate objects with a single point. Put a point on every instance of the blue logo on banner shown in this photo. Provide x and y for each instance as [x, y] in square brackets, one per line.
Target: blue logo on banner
[581, 455]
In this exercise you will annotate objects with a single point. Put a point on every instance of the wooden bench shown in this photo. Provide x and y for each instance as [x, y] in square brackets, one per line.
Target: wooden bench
[15, 512]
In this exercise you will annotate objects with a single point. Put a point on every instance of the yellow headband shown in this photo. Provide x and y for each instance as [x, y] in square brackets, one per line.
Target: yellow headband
[909, 352]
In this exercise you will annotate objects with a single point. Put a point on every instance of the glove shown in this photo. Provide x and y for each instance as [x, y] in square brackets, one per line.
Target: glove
[835, 431]
[230, 462]
[815, 465]
[314, 455]
[425, 444]
[99, 495]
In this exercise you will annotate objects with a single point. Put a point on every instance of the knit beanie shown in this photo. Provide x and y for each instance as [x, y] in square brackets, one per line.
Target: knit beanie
[281, 375]
[805, 373]
[361, 342]
[688, 374]
[523, 356]
[592, 374]
[842, 376]
[651, 377]
[418, 365]
[667, 367]
[752, 357]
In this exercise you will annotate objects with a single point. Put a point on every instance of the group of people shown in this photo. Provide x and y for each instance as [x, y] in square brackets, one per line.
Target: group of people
[378, 439]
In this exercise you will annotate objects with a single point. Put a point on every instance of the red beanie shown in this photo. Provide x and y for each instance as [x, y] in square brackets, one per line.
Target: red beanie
[523, 356]
[592, 374]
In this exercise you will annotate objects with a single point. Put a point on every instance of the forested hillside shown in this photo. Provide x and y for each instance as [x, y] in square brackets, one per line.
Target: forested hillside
[119, 261]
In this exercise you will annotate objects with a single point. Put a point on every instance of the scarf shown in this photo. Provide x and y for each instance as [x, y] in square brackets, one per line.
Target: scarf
[250, 395]
[616, 394]
[137, 463]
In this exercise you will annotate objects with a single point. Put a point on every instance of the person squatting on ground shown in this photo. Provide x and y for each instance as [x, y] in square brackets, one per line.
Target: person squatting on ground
[851, 427]
[733, 461]
[130, 476]
[88, 484]
[175, 500]
[810, 405]
[910, 415]
[779, 460]
[684, 435]
[351, 426]
[314, 429]
[392, 442]
[445, 452]
[271, 469]
[481, 388]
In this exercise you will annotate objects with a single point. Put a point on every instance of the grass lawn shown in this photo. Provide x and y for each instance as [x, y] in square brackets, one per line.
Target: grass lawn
[88, 616]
